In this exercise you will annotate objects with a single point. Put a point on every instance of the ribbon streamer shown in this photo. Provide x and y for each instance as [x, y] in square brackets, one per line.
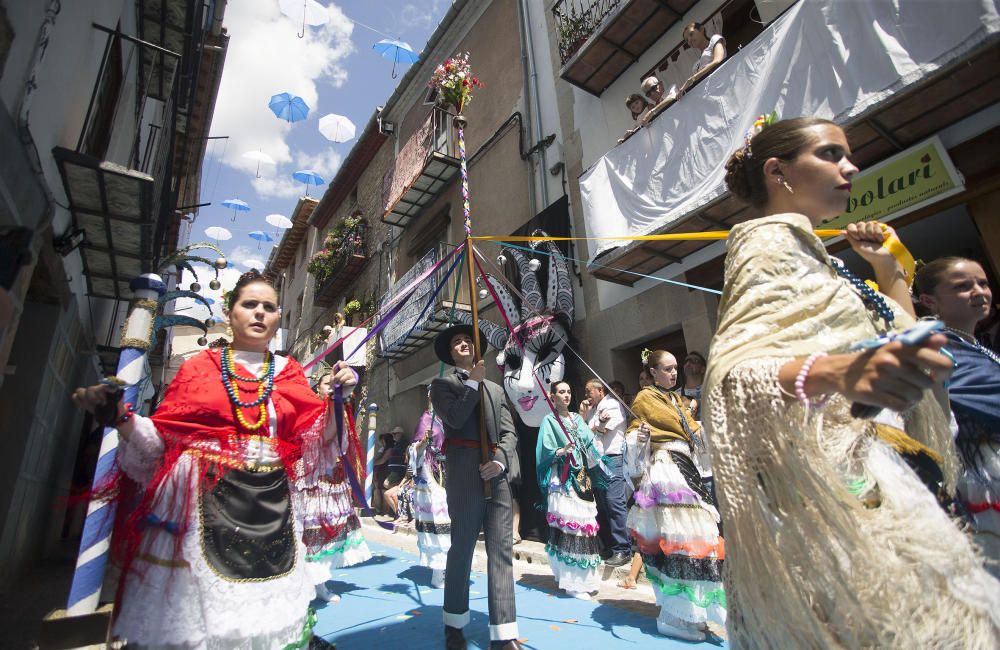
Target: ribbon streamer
[359, 494]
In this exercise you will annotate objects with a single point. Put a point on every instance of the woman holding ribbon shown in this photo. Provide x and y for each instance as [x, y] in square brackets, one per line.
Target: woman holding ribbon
[332, 530]
[430, 500]
[674, 519]
[956, 291]
[564, 452]
[832, 539]
[213, 555]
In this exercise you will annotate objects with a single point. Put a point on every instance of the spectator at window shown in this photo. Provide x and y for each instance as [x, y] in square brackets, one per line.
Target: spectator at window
[652, 88]
[637, 105]
[713, 53]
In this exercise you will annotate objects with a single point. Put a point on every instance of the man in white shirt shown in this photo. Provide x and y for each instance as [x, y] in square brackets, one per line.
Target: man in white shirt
[605, 417]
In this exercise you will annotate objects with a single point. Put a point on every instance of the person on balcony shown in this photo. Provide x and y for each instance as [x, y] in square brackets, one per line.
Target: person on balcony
[637, 105]
[833, 540]
[213, 554]
[652, 88]
[713, 53]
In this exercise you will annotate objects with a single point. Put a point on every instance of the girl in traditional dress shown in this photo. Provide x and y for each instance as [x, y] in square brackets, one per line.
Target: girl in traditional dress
[564, 451]
[832, 539]
[213, 555]
[674, 519]
[956, 291]
[430, 500]
[332, 530]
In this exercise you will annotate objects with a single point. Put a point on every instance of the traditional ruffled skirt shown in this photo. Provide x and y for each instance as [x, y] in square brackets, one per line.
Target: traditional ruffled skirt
[979, 489]
[332, 530]
[574, 549]
[676, 525]
[430, 510]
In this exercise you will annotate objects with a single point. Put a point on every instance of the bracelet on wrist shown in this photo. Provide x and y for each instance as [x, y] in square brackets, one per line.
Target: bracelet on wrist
[800, 381]
[126, 416]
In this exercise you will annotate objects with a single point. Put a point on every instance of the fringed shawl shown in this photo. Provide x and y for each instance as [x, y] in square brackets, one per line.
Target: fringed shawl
[808, 564]
[660, 413]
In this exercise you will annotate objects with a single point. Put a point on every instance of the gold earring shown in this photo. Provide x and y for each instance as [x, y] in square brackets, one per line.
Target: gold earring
[229, 330]
[781, 179]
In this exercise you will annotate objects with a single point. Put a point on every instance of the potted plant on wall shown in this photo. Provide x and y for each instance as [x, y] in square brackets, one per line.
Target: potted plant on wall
[352, 307]
[574, 28]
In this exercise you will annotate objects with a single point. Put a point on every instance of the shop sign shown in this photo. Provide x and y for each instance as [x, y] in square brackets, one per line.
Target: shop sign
[909, 180]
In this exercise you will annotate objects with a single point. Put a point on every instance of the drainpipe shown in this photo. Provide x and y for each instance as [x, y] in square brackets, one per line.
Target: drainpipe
[533, 105]
[27, 99]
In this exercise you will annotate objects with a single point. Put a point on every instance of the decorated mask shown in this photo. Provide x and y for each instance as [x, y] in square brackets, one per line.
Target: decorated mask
[541, 328]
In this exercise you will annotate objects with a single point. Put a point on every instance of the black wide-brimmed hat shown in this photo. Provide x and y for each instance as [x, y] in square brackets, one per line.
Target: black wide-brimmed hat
[442, 343]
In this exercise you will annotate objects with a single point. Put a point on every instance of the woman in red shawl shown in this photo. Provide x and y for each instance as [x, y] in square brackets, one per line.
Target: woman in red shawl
[213, 554]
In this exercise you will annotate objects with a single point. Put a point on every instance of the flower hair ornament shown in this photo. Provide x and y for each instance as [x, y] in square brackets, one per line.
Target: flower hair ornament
[644, 355]
[761, 123]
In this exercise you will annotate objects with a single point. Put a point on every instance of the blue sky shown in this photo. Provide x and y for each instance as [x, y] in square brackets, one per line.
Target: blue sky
[333, 68]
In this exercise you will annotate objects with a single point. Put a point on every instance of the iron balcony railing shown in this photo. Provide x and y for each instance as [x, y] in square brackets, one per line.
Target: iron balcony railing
[576, 20]
[349, 258]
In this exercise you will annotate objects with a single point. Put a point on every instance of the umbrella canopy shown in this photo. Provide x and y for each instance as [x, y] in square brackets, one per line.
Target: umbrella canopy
[398, 51]
[237, 206]
[254, 263]
[278, 221]
[337, 128]
[260, 236]
[260, 157]
[218, 233]
[309, 177]
[287, 106]
[306, 12]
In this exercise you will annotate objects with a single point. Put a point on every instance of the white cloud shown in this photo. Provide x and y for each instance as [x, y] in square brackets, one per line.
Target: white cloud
[282, 185]
[421, 15]
[188, 307]
[266, 57]
[249, 258]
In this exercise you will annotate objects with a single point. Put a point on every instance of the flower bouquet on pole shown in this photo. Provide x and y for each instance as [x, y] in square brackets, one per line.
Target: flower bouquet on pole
[454, 82]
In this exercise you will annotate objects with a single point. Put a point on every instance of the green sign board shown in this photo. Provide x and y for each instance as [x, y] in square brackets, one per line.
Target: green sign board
[920, 175]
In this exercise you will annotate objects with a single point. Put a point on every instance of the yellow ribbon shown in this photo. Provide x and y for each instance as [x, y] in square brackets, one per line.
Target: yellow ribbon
[900, 252]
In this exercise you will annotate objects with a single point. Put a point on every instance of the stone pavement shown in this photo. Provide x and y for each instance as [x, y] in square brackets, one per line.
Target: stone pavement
[388, 603]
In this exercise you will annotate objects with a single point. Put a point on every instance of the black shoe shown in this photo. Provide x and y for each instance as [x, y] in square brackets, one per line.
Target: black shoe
[618, 559]
[454, 639]
[511, 644]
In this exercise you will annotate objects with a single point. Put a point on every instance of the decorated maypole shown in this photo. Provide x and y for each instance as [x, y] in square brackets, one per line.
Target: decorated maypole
[138, 337]
[370, 451]
[454, 82]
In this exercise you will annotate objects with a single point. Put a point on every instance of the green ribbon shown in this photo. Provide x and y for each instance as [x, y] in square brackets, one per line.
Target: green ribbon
[715, 596]
[307, 632]
[339, 548]
[588, 562]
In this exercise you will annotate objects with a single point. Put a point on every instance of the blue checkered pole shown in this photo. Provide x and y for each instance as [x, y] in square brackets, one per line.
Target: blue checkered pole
[95, 545]
[370, 452]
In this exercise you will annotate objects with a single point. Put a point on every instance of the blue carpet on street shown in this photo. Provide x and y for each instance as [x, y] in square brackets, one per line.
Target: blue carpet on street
[388, 602]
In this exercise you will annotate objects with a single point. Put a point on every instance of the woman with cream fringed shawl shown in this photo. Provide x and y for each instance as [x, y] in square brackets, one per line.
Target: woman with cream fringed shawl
[832, 539]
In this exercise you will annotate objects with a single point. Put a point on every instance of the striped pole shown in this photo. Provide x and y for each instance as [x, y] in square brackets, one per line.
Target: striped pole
[370, 451]
[96, 542]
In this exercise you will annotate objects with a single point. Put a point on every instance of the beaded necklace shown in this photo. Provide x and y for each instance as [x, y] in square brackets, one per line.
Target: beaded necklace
[873, 299]
[265, 384]
[971, 340]
[571, 427]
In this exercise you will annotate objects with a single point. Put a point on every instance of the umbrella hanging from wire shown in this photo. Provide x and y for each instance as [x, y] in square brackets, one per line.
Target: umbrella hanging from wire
[309, 177]
[218, 233]
[287, 106]
[398, 51]
[337, 128]
[260, 157]
[260, 236]
[279, 221]
[237, 206]
[308, 12]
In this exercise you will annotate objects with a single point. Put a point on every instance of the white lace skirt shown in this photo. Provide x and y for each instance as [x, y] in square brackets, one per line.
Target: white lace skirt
[177, 601]
[430, 510]
[573, 548]
[332, 535]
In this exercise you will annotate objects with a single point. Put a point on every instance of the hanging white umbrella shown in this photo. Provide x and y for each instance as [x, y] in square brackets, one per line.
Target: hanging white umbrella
[307, 12]
[260, 157]
[279, 221]
[337, 128]
[218, 233]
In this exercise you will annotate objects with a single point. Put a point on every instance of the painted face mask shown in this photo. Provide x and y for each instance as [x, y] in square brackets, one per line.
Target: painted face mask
[531, 358]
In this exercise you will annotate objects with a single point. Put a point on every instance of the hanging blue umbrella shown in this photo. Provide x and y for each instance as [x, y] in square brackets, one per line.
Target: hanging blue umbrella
[309, 177]
[261, 236]
[398, 51]
[289, 107]
[237, 206]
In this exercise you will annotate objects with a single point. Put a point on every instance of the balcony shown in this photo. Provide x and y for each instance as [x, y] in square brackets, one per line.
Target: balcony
[600, 39]
[345, 262]
[413, 327]
[426, 164]
[672, 179]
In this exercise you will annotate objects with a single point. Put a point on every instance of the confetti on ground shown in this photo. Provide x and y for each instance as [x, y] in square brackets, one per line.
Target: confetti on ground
[415, 613]
[554, 627]
[570, 620]
[403, 617]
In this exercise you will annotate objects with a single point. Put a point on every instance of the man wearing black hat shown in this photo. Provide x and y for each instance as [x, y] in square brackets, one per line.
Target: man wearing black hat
[457, 398]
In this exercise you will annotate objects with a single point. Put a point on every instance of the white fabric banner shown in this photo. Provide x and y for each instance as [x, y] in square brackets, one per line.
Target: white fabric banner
[827, 58]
